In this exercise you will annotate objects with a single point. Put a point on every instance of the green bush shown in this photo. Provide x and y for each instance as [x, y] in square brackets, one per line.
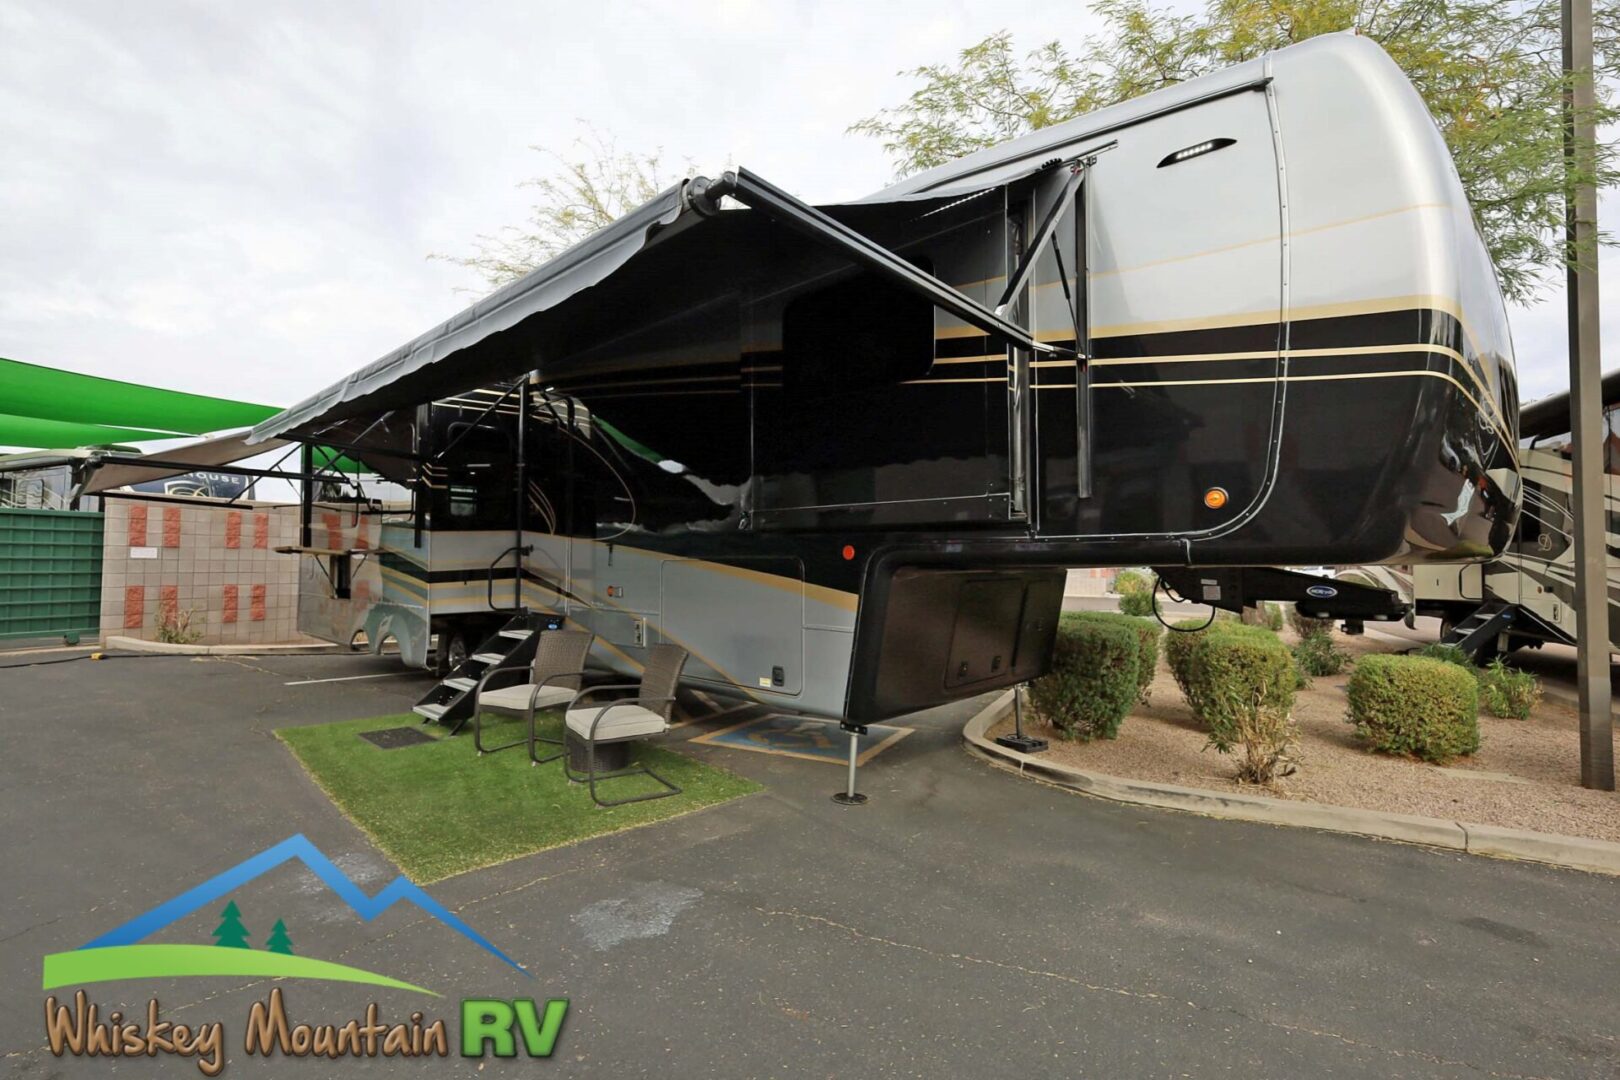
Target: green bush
[1147, 633]
[1508, 693]
[1317, 655]
[1241, 683]
[1305, 626]
[1136, 604]
[1274, 617]
[1446, 654]
[1415, 706]
[1178, 649]
[1127, 582]
[1093, 679]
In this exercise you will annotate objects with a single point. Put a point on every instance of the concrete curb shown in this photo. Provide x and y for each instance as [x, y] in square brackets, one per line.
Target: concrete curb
[1574, 852]
[129, 644]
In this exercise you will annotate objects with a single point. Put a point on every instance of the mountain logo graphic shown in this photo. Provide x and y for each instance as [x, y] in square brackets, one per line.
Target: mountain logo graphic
[120, 954]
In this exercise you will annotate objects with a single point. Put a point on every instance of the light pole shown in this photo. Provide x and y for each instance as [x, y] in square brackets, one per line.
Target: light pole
[1586, 402]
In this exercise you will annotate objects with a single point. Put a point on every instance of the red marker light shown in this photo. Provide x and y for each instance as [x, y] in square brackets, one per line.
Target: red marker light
[849, 552]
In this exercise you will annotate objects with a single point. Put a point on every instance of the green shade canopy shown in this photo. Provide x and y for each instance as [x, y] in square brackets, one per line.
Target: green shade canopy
[45, 409]
[126, 410]
[33, 433]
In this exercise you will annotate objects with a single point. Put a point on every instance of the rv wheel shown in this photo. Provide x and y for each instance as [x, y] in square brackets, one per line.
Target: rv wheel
[451, 654]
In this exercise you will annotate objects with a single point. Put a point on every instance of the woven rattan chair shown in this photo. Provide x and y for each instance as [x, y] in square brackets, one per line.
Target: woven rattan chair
[553, 679]
[638, 717]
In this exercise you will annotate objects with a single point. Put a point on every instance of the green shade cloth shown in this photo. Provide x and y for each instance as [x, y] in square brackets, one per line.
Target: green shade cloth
[28, 390]
[35, 434]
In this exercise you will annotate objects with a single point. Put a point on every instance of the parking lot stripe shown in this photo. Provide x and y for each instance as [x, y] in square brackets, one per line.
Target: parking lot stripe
[348, 678]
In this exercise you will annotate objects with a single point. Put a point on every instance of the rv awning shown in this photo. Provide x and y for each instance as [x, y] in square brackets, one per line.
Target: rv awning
[705, 256]
[1550, 415]
[388, 382]
[210, 453]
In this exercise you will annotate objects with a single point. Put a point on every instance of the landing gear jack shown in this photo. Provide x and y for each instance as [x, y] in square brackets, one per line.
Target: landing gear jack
[1024, 744]
[849, 796]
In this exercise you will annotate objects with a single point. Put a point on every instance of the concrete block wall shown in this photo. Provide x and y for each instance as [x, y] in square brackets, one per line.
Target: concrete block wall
[217, 562]
[1091, 581]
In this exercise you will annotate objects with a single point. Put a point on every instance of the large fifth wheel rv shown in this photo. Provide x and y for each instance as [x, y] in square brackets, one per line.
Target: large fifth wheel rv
[844, 455]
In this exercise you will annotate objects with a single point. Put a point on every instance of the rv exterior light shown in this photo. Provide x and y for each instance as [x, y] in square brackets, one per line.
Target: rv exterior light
[1215, 498]
[849, 552]
[1208, 146]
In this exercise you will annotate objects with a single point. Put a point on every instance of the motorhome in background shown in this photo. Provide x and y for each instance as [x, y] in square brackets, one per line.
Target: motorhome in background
[1526, 596]
[845, 456]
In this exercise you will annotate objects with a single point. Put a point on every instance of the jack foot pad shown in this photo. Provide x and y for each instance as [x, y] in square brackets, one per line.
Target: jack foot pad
[846, 798]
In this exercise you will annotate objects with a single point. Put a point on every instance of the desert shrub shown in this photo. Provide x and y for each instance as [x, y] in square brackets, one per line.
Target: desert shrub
[1136, 604]
[1274, 617]
[1241, 686]
[176, 629]
[1317, 655]
[1093, 679]
[1507, 692]
[1147, 633]
[1446, 654]
[1415, 706]
[1178, 648]
[1305, 626]
[1127, 582]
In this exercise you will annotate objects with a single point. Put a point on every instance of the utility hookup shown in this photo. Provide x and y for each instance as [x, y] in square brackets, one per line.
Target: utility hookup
[1024, 744]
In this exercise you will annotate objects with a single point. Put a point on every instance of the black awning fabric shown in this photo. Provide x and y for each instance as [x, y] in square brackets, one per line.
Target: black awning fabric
[396, 379]
[659, 288]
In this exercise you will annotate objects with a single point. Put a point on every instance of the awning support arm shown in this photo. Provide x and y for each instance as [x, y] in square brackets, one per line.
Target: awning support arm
[477, 420]
[800, 216]
[1043, 236]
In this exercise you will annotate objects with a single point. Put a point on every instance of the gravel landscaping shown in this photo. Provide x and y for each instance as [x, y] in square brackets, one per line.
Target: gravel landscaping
[1525, 776]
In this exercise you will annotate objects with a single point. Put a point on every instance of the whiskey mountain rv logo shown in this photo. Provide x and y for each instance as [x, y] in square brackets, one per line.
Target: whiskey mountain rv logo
[83, 1028]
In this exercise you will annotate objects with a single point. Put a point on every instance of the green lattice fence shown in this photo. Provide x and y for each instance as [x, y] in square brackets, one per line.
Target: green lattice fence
[50, 573]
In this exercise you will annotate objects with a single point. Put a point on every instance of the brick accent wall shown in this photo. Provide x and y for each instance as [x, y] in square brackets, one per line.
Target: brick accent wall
[235, 593]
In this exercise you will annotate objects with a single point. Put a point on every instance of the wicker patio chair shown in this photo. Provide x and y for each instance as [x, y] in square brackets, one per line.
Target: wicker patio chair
[553, 679]
[640, 717]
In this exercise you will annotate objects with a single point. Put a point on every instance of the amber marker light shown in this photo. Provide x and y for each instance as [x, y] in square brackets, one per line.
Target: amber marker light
[1215, 498]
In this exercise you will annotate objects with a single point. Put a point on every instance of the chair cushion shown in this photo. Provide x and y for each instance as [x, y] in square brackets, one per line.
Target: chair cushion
[621, 722]
[516, 698]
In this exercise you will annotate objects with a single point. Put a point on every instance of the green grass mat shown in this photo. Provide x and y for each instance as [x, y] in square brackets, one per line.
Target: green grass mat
[439, 809]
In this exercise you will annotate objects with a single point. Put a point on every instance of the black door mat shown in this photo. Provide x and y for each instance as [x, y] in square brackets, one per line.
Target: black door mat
[395, 737]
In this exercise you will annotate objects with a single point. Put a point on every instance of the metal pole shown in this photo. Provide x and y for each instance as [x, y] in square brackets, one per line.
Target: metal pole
[849, 796]
[1586, 404]
[306, 494]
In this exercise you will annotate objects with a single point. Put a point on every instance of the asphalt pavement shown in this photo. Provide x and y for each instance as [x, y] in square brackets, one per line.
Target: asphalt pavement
[965, 922]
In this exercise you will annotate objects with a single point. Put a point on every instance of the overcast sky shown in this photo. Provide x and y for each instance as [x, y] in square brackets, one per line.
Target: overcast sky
[240, 200]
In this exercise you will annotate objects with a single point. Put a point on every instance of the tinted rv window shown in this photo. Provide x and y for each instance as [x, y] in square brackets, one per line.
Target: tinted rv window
[856, 334]
[860, 424]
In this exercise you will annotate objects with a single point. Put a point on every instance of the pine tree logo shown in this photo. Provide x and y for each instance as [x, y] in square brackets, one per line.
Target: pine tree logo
[230, 932]
[279, 941]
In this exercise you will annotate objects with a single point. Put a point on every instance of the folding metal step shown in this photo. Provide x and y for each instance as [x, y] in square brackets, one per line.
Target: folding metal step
[513, 645]
[1476, 633]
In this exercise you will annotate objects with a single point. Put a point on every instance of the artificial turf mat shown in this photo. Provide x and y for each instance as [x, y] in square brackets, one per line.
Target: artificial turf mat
[439, 809]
